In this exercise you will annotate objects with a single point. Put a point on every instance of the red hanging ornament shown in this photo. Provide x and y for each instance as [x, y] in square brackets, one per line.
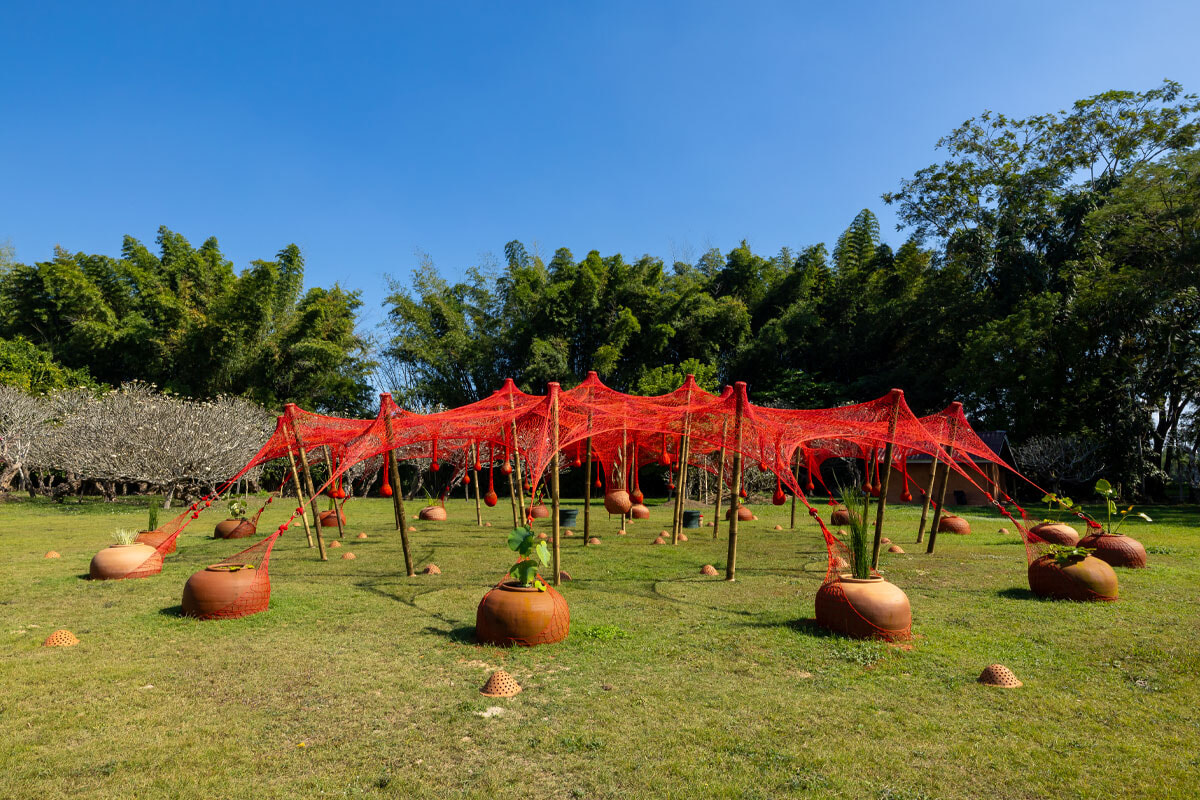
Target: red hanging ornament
[490, 499]
[779, 497]
[466, 478]
[434, 465]
[665, 458]
[386, 489]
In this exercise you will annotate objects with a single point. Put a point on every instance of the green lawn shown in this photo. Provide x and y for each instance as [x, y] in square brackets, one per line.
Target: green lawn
[360, 682]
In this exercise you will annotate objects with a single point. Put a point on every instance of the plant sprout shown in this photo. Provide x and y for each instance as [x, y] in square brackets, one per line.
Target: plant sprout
[534, 555]
[1105, 490]
[1064, 554]
[237, 509]
[125, 535]
[860, 546]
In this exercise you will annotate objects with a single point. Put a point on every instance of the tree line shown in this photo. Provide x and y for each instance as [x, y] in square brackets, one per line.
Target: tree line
[1049, 278]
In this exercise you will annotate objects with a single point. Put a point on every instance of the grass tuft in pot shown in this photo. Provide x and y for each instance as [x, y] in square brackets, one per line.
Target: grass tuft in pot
[125, 535]
[860, 540]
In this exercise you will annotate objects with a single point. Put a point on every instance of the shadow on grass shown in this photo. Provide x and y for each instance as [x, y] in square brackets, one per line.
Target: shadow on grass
[1017, 593]
[172, 611]
[461, 634]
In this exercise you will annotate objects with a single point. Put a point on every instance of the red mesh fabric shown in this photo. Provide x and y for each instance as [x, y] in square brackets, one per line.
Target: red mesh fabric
[249, 568]
[557, 626]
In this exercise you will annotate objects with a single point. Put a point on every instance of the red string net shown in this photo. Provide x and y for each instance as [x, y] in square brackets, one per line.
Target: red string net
[235, 587]
[509, 615]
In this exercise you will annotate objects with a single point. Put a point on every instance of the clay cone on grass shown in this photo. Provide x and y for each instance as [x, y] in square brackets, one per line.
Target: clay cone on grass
[708, 569]
[500, 684]
[53, 554]
[896, 549]
[683, 537]
[999, 676]
[61, 638]
[349, 556]
[594, 540]
[432, 569]
[659, 540]
[362, 535]
[335, 543]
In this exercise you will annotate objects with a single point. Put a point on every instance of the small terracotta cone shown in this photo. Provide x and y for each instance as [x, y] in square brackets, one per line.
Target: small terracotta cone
[708, 524]
[53, 554]
[999, 676]
[415, 516]
[1003, 531]
[432, 569]
[568, 532]
[659, 540]
[61, 638]
[594, 540]
[885, 540]
[663, 533]
[778, 527]
[896, 549]
[542, 537]
[500, 684]
[349, 556]
[564, 575]
[708, 569]
[840, 563]
[362, 535]
[622, 532]
[487, 524]
[683, 537]
[753, 517]
[412, 529]
[335, 543]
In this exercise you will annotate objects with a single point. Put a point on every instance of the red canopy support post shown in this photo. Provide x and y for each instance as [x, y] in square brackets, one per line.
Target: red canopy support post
[720, 480]
[897, 398]
[398, 501]
[587, 489]
[299, 495]
[937, 512]
[735, 497]
[337, 512]
[520, 490]
[796, 477]
[685, 449]
[474, 455]
[554, 464]
[928, 497]
[290, 410]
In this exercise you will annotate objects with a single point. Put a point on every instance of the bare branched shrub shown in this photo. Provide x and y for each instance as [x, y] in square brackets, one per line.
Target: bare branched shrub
[23, 420]
[1056, 460]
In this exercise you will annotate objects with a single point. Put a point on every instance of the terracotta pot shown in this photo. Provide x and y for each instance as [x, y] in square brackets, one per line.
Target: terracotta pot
[744, 514]
[516, 615]
[617, 502]
[328, 520]
[223, 591]
[1056, 533]
[119, 561]
[1083, 579]
[1116, 549]
[490, 499]
[864, 608]
[155, 539]
[234, 529]
[840, 516]
[539, 511]
[951, 523]
[433, 514]
[639, 512]
[636, 497]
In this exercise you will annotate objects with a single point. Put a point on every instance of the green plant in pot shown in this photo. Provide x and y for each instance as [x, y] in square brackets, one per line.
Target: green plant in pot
[1071, 572]
[1050, 529]
[859, 603]
[433, 511]
[523, 610]
[236, 526]
[125, 558]
[1111, 546]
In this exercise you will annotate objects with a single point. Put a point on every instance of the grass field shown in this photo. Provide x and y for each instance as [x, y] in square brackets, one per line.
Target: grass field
[361, 682]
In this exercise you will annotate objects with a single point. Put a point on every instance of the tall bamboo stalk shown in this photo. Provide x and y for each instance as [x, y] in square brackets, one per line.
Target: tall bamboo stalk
[299, 496]
[474, 452]
[554, 501]
[720, 480]
[312, 490]
[731, 559]
[928, 498]
[398, 501]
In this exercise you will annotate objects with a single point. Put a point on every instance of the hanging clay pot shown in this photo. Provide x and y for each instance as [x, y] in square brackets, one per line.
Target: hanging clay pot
[840, 516]
[328, 520]
[1056, 533]
[636, 497]
[1083, 579]
[490, 499]
[639, 511]
[951, 523]
[234, 529]
[119, 561]
[226, 591]
[539, 511]
[779, 498]
[433, 514]
[1116, 549]
[155, 539]
[744, 513]
[864, 608]
[511, 614]
[617, 502]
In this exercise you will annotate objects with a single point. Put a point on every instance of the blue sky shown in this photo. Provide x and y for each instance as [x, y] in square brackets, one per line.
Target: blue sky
[365, 133]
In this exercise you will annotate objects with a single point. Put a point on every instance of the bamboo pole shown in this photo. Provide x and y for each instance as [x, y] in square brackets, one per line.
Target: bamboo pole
[720, 480]
[928, 498]
[512, 405]
[398, 503]
[312, 490]
[678, 499]
[735, 497]
[554, 500]
[685, 449]
[337, 512]
[299, 496]
[796, 477]
[587, 491]
[624, 470]
[937, 512]
[897, 395]
[475, 479]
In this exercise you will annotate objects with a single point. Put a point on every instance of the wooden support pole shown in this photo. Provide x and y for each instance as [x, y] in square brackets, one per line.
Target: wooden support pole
[937, 512]
[475, 479]
[398, 502]
[587, 492]
[928, 497]
[678, 499]
[312, 490]
[720, 480]
[337, 512]
[796, 477]
[299, 496]
[685, 450]
[554, 500]
[735, 497]
[624, 471]
[512, 405]
[897, 397]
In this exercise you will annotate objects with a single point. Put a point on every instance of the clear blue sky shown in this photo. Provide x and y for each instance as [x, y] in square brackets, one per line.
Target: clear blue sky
[366, 132]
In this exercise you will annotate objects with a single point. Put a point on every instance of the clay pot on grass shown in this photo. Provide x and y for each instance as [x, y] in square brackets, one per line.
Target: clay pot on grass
[234, 529]
[952, 523]
[840, 516]
[744, 514]
[1082, 579]
[639, 512]
[433, 514]
[155, 539]
[1056, 533]
[864, 608]
[539, 511]
[226, 591]
[511, 614]
[617, 502]
[118, 561]
[1116, 549]
[328, 520]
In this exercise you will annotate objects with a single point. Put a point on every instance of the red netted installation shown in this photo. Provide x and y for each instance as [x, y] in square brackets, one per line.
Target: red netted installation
[235, 587]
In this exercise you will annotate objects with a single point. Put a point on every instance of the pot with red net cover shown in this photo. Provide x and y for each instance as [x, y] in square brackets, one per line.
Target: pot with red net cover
[491, 498]
[952, 523]
[1116, 549]
[539, 511]
[329, 520]
[744, 513]
[523, 611]
[433, 514]
[1056, 533]
[636, 497]
[617, 502]
[1072, 573]
[155, 539]
[126, 558]
[235, 529]
[639, 511]
[226, 591]
[840, 516]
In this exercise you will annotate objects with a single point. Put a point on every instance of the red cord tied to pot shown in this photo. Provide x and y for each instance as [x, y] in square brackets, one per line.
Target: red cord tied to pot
[665, 458]
[434, 465]
[779, 498]
[506, 468]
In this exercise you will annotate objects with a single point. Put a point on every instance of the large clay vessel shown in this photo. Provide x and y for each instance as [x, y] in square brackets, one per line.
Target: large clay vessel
[1056, 533]
[617, 502]
[155, 539]
[234, 529]
[744, 513]
[639, 511]
[511, 614]
[433, 514]
[864, 608]
[1116, 549]
[328, 520]
[840, 516]
[952, 523]
[539, 512]
[226, 591]
[1083, 579]
[119, 561]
